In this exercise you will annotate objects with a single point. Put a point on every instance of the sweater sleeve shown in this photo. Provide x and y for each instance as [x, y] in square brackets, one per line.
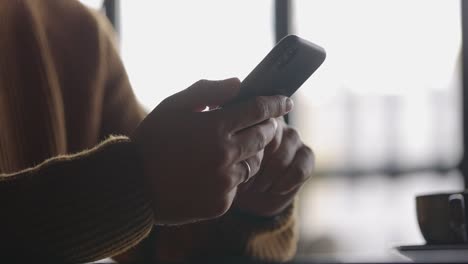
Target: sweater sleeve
[121, 112]
[233, 234]
[75, 208]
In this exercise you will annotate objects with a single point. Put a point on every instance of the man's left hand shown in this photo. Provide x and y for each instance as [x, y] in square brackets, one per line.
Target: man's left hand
[286, 165]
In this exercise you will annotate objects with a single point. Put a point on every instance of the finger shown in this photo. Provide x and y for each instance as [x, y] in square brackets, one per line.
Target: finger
[255, 162]
[275, 143]
[300, 171]
[243, 172]
[219, 207]
[246, 185]
[255, 110]
[279, 163]
[206, 93]
[254, 139]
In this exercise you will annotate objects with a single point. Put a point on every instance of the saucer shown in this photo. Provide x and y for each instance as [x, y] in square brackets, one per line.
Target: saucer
[435, 253]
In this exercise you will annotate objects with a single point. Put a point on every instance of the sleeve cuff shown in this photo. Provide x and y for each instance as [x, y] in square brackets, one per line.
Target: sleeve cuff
[77, 208]
[266, 239]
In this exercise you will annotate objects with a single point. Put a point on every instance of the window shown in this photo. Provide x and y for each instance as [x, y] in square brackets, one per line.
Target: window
[168, 45]
[386, 102]
[387, 95]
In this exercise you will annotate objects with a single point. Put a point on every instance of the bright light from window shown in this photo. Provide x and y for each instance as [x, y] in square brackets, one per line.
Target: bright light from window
[386, 99]
[381, 47]
[168, 45]
[96, 4]
[390, 75]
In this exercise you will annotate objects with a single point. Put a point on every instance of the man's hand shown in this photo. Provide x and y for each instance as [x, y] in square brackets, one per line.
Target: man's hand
[192, 160]
[286, 165]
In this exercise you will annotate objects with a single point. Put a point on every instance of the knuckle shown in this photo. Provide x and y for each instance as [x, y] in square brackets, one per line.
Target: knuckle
[299, 173]
[282, 163]
[201, 82]
[168, 101]
[261, 108]
[257, 159]
[291, 134]
[225, 184]
[308, 157]
[225, 155]
[260, 139]
[275, 143]
[255, 163]
[279, 104]
[220, 207]
[240, 149]
[220, 132]
[308, 152]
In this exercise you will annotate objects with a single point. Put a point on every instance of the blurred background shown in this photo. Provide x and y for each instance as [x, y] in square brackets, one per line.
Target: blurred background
[383, 113]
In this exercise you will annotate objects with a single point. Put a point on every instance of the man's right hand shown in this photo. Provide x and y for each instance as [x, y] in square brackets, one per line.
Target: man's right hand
[193, 160]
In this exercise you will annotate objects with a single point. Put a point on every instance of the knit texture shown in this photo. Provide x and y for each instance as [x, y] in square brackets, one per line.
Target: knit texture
[76, 208]
[69, 191]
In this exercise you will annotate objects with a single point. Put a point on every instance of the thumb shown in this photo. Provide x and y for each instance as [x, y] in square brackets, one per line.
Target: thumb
[207, 93]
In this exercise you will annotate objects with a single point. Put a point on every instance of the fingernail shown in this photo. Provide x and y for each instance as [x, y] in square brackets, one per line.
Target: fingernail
[275, 123]
[289, 104]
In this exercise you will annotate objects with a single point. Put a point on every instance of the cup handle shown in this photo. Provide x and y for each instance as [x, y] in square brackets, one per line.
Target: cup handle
[457, 216]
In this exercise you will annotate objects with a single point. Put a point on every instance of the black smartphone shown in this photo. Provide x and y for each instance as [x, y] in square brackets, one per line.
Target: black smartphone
[285, 68]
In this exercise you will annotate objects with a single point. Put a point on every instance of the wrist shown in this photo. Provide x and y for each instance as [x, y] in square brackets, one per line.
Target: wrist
[252, 216]
[263, 216]
[263, 206]
[256, 223]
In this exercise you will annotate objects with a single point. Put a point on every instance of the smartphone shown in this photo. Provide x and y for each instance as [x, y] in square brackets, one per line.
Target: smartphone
[285, 68]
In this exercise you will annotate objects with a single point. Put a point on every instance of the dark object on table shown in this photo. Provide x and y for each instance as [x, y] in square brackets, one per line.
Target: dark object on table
[442, 218]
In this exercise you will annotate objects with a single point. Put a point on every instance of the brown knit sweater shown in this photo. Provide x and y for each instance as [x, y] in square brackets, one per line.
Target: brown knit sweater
[68, 190]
